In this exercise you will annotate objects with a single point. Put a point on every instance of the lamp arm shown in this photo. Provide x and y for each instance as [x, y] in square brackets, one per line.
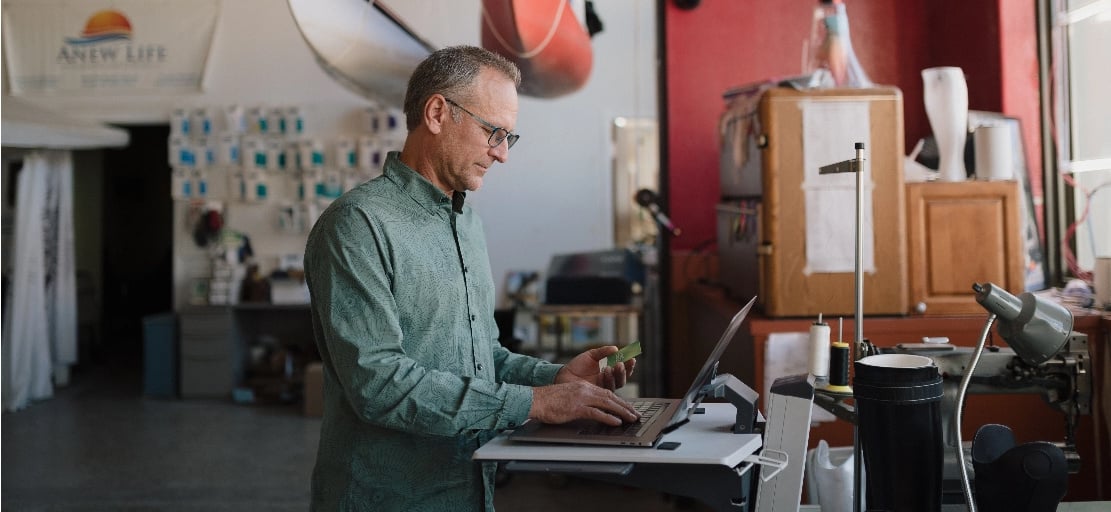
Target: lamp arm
[973, 361]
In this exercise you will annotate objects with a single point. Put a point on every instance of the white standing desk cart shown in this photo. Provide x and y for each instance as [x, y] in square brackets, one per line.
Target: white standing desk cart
[711, 463]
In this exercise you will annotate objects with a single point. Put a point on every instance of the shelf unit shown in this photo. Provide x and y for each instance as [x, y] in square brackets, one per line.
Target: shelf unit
[627, 328]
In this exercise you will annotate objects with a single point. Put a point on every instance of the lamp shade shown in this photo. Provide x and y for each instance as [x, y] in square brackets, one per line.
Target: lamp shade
[1035, 328]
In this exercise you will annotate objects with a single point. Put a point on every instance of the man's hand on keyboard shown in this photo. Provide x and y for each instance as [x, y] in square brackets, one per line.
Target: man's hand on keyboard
[579, 399]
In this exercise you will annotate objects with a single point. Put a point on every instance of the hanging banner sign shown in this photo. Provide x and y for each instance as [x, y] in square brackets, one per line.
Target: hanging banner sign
[56, 47]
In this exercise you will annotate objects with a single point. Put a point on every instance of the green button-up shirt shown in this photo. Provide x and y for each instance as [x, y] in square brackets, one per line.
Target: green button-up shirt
[414, 377]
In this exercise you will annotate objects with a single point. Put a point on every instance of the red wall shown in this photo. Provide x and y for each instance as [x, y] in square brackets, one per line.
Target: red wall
[725, 43]
[1018, 43]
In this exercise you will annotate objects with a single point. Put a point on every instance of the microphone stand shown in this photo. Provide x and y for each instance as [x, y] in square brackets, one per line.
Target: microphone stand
[650, 201]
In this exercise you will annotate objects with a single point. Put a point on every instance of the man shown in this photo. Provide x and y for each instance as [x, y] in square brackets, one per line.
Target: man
[402, 306]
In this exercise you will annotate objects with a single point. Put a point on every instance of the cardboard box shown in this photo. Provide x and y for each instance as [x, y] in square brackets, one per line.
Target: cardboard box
[314, 389]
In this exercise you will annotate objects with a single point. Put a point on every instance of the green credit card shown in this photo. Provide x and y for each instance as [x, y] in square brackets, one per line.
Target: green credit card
[626, 353]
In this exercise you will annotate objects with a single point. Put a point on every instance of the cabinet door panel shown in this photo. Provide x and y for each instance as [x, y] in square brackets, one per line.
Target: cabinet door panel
[962, 233]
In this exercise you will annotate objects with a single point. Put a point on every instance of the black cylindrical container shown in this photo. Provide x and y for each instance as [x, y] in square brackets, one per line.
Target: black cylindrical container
[898, 410]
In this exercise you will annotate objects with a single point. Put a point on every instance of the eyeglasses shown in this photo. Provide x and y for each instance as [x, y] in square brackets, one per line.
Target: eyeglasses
[497, 133]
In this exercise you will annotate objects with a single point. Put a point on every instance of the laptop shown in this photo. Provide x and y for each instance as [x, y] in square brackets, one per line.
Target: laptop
[658, 415]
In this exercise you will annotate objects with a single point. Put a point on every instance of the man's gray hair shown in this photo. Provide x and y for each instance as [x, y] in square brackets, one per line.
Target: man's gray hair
[451, 72]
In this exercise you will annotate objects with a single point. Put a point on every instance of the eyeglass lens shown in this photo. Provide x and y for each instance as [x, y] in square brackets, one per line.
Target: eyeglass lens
[500, 134]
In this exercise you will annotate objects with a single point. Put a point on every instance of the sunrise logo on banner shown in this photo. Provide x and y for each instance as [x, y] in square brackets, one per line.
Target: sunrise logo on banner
[102, 27]
[95, 45]
[135, 46]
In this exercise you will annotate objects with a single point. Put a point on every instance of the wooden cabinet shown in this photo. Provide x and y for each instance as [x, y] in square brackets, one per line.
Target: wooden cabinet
[959, 234]
[807, 224]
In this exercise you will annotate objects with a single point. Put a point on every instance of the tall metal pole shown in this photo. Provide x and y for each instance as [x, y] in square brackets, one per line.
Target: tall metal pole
[858, 327]
[856, 165]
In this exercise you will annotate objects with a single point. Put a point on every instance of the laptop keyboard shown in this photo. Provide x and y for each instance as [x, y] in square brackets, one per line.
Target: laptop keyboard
[647, 409]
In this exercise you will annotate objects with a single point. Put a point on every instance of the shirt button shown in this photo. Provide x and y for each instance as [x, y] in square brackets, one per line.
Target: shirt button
[512, 424]
[480, 367]
[464, 270]
[472, 318]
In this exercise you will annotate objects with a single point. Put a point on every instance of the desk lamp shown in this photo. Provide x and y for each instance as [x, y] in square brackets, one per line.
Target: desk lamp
[1037, 330]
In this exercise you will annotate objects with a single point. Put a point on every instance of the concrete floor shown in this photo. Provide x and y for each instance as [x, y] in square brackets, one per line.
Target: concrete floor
[99, 445]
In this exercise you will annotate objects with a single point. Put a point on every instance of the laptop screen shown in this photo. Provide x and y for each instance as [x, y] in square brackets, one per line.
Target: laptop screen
[694, 395]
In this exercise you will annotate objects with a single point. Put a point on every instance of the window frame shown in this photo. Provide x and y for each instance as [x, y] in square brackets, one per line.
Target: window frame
[1066, 205]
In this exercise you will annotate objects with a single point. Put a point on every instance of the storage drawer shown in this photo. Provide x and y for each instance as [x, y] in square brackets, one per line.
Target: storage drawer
[207, 377]
[205, 322]
[738, 235]
[207, 352]
[207, 333]
[208, 348]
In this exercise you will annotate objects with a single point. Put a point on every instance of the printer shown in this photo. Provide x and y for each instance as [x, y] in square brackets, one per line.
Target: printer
[601, 277]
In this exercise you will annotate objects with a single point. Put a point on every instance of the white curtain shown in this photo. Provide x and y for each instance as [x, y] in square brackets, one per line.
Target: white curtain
[40, 304]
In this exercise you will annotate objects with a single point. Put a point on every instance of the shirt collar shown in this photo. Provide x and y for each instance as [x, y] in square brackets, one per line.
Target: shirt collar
[457, 199]
[419, 188]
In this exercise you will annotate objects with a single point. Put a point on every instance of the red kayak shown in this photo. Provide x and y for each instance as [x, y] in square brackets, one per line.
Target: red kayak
[544, 38]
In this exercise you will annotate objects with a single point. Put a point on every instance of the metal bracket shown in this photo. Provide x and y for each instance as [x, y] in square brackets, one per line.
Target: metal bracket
[835, 403]
[839, 167]
[743, 397]
[762, 459]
